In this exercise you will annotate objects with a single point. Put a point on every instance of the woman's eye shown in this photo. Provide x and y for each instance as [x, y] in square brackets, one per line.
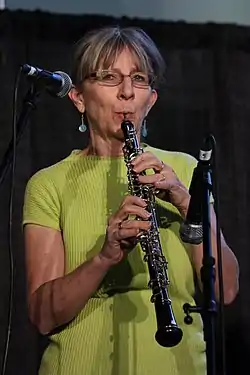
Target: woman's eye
[109, 76]
[139, 77]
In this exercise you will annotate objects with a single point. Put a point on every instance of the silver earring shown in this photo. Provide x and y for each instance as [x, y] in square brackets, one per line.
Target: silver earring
[82, 128]
[144, 131]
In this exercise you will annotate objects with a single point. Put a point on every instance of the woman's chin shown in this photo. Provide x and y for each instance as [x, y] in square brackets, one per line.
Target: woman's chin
[119, 135]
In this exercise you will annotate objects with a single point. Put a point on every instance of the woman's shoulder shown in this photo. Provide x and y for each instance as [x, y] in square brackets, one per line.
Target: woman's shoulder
[182, 163]
[177, 159]
[56, 173]
[44, 192]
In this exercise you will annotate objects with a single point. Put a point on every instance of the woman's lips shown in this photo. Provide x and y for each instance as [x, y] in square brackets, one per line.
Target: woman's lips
[122, 116]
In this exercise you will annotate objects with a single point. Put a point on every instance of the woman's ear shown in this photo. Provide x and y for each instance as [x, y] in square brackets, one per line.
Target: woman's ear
[77, 99]
[153, 98]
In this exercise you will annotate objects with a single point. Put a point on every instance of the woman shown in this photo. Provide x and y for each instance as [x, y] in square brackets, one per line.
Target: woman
[87, 281]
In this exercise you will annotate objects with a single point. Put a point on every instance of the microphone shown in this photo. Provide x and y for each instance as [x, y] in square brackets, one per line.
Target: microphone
[191, 230]
[57, 83]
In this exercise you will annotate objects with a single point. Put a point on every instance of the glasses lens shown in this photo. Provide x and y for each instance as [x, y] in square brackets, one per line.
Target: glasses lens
[110, 78]
[114, 78]
[140, 79]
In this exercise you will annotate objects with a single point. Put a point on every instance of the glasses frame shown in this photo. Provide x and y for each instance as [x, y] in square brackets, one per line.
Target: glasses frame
[97, 76]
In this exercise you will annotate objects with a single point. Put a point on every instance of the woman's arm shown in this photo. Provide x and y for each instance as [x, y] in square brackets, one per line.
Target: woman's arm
[54, 298]
[230, 267]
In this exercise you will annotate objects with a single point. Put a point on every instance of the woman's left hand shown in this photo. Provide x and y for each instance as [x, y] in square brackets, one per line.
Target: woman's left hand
[165, 180]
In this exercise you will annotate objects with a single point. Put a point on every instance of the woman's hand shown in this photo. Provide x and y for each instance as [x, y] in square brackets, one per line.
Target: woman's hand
[123, 231]
[165, 180]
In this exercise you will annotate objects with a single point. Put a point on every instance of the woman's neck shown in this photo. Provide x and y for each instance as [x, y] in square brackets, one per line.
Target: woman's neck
[104, 148]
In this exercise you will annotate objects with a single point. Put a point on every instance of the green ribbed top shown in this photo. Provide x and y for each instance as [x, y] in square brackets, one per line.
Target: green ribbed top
[114, 333]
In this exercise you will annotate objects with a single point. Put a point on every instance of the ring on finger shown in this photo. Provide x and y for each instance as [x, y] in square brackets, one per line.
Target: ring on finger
[163, 177]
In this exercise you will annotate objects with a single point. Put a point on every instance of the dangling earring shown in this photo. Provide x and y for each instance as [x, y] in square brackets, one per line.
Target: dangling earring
[82, 128]
[144, 131]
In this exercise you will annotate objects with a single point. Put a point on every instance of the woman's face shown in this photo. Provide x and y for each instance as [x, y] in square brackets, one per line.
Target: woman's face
[105, 105]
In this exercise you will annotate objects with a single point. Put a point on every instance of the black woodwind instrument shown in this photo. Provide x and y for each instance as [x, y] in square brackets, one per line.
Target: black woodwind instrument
[168, 334]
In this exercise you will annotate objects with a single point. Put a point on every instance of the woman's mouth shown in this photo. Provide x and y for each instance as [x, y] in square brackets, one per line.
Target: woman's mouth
[124, 116]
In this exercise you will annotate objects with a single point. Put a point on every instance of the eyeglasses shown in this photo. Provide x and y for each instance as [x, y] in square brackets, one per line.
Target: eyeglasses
[115, 78]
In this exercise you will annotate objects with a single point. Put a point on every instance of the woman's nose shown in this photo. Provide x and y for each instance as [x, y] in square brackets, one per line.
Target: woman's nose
[126, 89]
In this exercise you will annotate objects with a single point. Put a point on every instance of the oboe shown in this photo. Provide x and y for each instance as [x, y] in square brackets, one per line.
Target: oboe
[168, 334]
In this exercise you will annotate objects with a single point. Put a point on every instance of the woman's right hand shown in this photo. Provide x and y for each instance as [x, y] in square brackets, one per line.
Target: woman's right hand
[122, 232]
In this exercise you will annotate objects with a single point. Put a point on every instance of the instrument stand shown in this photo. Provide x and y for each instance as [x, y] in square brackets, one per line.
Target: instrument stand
[28, 105]
[209, 308]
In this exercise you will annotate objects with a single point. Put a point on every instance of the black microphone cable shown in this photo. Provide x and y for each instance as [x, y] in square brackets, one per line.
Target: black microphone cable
[10, 228]
[62, 91]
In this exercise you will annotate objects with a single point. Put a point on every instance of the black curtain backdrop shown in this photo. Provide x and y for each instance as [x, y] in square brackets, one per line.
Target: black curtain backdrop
[207, 90]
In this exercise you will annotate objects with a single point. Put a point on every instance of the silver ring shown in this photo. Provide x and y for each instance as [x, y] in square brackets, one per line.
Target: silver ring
[163, 177]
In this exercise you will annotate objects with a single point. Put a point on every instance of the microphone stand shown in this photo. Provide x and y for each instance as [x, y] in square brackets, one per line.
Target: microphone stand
[28, 105]
[209, 308]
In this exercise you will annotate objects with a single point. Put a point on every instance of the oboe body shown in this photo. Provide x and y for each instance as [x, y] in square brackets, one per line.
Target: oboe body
[168, 334]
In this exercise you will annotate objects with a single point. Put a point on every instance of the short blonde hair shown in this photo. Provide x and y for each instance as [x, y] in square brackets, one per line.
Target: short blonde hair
[100, 48]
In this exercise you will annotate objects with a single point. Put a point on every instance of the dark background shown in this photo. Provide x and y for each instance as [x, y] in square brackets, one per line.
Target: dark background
[207, 90]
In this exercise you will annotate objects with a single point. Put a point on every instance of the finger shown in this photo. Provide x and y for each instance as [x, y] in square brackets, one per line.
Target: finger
[146, 160]
[128, 210]
[133, 200]
[144, 156]
[154, 164]
[166, 179]
[152, 179]
[124, 211]
[141, 157]
[142, 225]
[126, 233]
[130, 243]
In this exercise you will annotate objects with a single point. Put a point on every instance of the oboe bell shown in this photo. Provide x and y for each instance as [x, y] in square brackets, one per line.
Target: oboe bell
[168, 333]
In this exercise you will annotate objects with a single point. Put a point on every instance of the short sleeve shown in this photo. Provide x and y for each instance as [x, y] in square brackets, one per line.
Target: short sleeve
[41, 201]
[190, 164]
